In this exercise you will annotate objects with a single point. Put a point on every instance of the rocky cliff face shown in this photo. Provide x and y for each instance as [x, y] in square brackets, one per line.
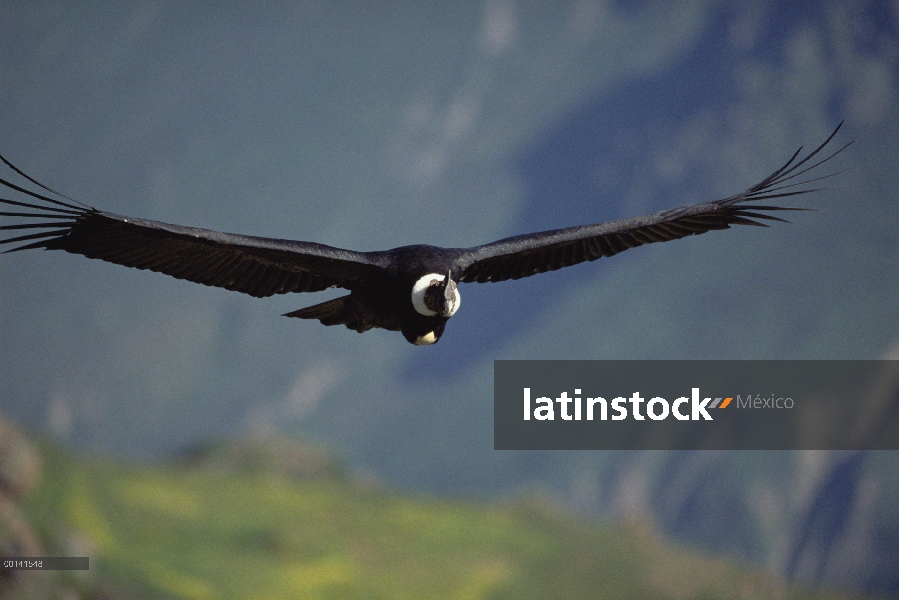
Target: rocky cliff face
[20, 471]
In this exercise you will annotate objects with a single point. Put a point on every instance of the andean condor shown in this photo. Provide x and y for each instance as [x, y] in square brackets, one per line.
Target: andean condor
[412, 289]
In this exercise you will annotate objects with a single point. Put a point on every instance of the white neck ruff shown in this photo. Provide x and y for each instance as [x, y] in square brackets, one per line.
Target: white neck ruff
[418, 295]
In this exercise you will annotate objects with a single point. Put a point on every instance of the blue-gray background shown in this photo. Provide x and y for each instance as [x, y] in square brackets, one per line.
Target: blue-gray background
[373, 125]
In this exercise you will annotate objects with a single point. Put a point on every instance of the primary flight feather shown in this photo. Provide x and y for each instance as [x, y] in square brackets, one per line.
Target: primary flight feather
[412, 289]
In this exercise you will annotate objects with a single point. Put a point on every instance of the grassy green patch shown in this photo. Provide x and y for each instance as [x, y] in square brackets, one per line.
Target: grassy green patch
[200, 533]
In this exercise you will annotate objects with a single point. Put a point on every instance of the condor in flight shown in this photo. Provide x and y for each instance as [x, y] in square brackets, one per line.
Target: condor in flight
[412, 289]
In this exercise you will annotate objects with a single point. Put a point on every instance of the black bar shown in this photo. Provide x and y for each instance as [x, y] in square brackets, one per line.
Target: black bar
[45, 563]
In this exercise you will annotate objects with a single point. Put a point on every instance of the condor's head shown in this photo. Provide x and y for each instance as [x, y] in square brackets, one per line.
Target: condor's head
[434, 295]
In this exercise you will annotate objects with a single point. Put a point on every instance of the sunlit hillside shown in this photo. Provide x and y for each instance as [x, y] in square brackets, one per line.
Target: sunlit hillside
[278, 520]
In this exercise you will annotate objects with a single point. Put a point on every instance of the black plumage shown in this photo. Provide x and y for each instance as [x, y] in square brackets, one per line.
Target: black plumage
[411, 289]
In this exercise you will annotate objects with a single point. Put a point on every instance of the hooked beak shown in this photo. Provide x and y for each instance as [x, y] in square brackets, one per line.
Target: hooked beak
[449, 295]
[443, 297]
[449, 290]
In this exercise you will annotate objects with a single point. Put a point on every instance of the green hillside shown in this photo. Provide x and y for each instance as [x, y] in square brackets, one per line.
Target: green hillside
[224, 527]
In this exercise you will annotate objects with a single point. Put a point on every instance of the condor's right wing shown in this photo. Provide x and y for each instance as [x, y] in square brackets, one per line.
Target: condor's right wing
[533, 253]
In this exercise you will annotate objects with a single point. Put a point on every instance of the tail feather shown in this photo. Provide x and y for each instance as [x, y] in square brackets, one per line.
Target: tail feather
[340, 311]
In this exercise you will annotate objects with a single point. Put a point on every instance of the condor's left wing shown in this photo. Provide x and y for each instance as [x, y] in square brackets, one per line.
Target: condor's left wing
[252, 265]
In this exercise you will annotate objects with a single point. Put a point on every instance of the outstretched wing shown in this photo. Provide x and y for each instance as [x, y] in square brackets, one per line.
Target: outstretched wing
[252, 265]
[526, 255]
